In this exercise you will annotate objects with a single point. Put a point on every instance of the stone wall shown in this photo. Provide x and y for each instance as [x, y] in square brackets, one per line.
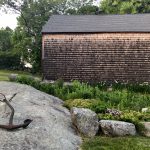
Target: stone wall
[97, 57]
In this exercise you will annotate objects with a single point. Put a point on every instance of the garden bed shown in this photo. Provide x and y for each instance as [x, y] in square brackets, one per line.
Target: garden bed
[129, 99]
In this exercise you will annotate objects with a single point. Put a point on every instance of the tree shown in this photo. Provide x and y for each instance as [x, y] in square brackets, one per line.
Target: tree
[83, 7]
[27, 36]
[88, 10]
[76, 4]
[5, 39]
[33, 15]
[125, 6]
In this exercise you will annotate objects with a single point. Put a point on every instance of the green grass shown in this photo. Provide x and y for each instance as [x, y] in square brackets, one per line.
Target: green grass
[116, 143]
[5, 73]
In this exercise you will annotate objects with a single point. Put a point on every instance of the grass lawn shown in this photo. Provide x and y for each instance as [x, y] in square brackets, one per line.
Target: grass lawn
[5, 73]
[116, 143]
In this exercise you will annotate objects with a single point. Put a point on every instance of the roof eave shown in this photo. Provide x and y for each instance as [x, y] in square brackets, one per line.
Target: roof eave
[95, 32]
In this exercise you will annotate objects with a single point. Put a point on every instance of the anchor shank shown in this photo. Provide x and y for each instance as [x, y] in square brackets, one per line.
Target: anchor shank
[12, 112]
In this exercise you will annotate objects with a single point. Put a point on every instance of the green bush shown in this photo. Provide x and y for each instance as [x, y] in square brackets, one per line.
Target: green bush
[120, 99]
[81, 90]
[128, 116]
[80, 103]
[25, 80]
[47, 88]
[99, 106]
[29, 80]
[59, 83]
[93, 104]
[10, 61]
[124, 99]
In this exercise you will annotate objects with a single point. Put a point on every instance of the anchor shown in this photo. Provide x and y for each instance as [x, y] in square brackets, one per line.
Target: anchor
[11, 126]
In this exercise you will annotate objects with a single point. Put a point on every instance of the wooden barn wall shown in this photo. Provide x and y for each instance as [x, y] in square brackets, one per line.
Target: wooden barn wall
[123, 57]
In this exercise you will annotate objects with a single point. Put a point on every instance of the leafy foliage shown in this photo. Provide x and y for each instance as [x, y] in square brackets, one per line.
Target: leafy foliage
[84, 10]
[88, 10]
[125, 6]
[5, 39]
[10, 60]
[33, 15]
[93, 104]
[82, 95]
[118, 98]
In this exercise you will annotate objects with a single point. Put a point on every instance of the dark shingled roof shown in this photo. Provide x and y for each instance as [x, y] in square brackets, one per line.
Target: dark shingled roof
[97, 23]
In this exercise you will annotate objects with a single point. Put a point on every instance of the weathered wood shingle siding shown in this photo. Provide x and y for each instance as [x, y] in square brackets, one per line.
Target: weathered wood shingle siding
[97, 57]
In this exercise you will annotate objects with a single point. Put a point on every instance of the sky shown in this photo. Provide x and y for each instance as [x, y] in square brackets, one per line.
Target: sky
[10, 20]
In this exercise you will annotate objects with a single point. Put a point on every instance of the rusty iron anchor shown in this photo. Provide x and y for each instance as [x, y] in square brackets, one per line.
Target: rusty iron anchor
[11, 126]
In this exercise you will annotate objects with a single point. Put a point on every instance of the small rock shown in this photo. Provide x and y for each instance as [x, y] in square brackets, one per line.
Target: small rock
[147, 128]
[117, 128]
[109, 89]
[145, 110]
[13, 77]
[113, 112]
[85, 120]
[47, 82]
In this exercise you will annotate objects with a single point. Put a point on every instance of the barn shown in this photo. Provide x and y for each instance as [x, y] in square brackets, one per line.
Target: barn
[95, 48]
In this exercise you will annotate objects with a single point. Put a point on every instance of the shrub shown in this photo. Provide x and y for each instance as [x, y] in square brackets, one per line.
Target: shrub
[10, 61]
[93, 104]
[124, 99]
[80, 90]
[59, 83]
[119, 99]
[47, 88]
[128, 116]
[25, 80]
[80, 103]
[99, 106]
[136, 87]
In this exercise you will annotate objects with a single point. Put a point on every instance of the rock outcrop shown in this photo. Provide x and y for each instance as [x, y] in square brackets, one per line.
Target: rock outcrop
[117, 128]
[51, 128]
[85, 120]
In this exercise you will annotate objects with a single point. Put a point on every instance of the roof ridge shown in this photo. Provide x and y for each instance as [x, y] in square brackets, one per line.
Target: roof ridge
[103, 14]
